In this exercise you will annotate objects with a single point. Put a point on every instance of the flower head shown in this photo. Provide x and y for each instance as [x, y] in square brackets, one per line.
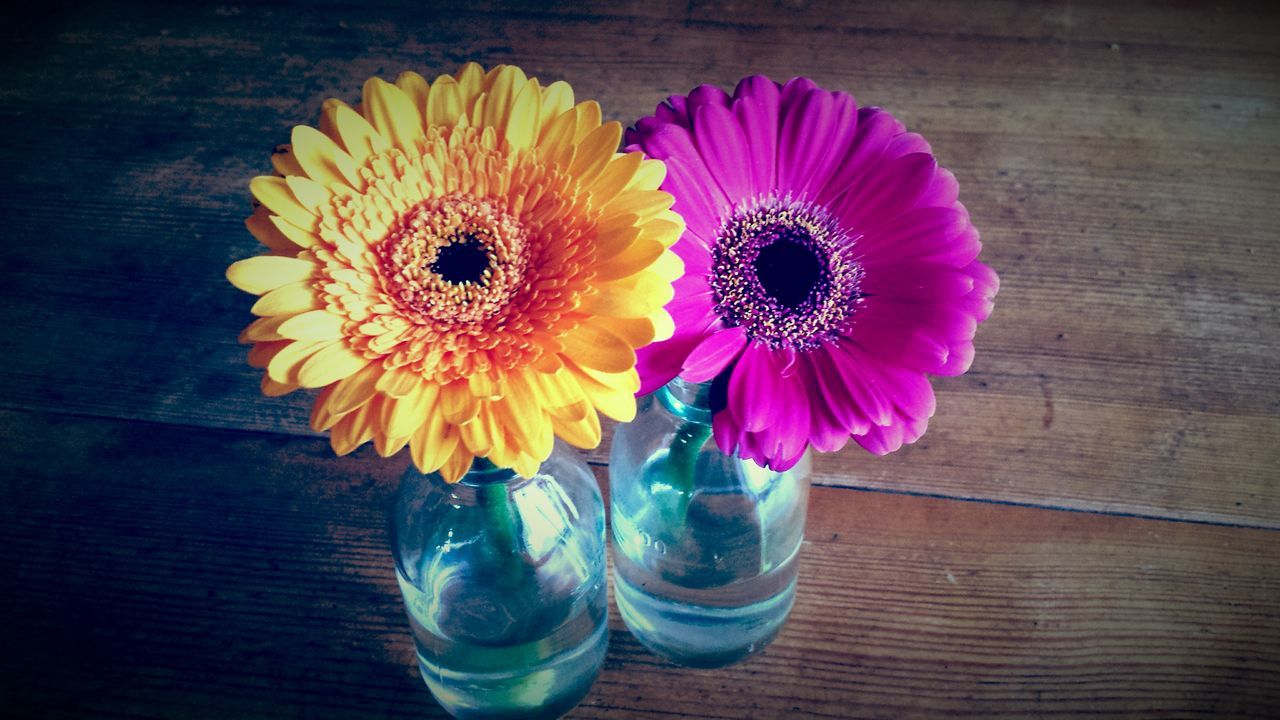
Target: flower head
[829, 267]
[464, 266]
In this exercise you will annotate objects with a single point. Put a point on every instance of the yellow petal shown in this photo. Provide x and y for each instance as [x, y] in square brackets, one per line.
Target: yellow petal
[470, 80]
[264, 273]
[638, 256]
[291, 299]
[617, 402]
[483, 386]
[638, 332]
[587, 115]
[416, 87]
[646, 289]
[296, 235]
[457, 464]
[650, 175]
[504, 82]
[399, 382]
[641, 203]
[387, 445]
[354, 390]
[263, 330]
[313, 325]
[584, 434]
[444, 102]
[284, 161]
[309, 192]
[412, 411]
[271, 388]
[262, 228]
[358, 137]
[556, 145]
[663, 326]
[286, 364]
[557, 99]
[330, 364]
[355, 429]
[555, 390]
[592, 345]
[614, 178]
[432, 442]
[322, 159]
[262, 353]
[476, 435]
[274, 192]
[522, 122]
[668, 266]
[457, 403]
[392, 113]
[595, 151]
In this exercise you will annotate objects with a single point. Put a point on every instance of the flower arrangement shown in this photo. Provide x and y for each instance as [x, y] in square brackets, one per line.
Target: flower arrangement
[829, 268]
[464, 266]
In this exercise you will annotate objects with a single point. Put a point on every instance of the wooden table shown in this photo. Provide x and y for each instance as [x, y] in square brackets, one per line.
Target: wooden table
[1089, 527]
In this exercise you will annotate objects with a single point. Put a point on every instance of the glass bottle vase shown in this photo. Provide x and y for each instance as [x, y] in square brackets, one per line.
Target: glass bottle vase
[503, 579]
[705, 545]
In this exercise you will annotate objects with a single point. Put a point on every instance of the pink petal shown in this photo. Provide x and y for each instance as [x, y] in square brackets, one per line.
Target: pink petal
[886, 192]
[840, 405]
[802, 142]
[788, 432]
[750, 385]
[714, 353]
[938, 234]
[861, 382]
[724, 427]
[916, 281]
[699, 199]
[942, 191]
[875, 129]
[704, 95]
[724, 149]
[756, 106]
[898, 343]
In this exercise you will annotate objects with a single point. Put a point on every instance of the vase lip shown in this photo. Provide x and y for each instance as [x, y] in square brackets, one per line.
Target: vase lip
[484, 472]
[687, 400]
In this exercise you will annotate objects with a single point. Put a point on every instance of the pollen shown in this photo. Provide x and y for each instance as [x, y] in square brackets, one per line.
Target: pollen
[786, 272]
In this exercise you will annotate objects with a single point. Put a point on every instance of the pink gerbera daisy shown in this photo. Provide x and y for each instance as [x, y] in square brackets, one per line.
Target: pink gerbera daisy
[829, 267]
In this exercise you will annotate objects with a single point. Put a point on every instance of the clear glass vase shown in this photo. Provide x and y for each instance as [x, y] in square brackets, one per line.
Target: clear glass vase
[503, 579]
[706, 545]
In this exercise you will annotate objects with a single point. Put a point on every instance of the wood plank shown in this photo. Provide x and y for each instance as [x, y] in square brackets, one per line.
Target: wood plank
[161, 571]
[1121, 164]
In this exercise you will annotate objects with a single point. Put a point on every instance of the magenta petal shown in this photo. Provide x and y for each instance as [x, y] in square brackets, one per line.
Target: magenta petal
[905, 144]
[756, 106]
[802, 146]
[881, 440]
[826, 432]
[862, 382]
[793, 90]
[789, 429]
[724, 428]
[886, 192]
[916, 281]
[698, 199]
[875, 129]
[713, 354]
[834, 386]
[959, 358]
[724, 149]
[940, 234]
[750, 388]
[943, 191]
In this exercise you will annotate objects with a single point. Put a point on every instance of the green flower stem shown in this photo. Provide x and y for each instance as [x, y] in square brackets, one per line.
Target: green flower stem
[500, 523]
[682, 462]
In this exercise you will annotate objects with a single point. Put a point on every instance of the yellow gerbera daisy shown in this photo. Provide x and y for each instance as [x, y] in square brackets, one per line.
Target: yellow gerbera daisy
[464, 266]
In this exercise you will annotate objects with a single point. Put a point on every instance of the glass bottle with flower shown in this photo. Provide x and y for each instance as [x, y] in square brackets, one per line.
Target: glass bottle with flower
[466, 267]
[829, 269]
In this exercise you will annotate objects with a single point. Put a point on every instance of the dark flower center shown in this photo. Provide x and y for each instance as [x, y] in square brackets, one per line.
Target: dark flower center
[462, 261]
[788, 271]
[785, 271]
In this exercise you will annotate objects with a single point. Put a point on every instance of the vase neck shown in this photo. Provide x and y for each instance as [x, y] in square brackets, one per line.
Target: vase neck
[686, 400]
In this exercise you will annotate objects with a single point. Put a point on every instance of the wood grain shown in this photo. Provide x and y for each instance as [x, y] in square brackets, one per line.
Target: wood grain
[179, 572]
[1120, 163]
